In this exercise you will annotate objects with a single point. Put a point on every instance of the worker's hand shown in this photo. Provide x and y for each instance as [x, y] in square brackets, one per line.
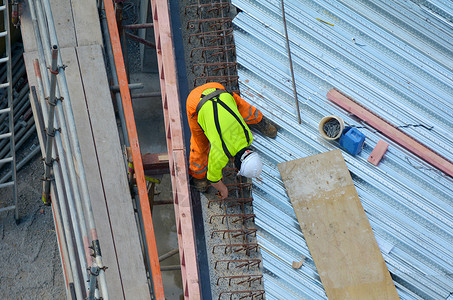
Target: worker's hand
[221, 187]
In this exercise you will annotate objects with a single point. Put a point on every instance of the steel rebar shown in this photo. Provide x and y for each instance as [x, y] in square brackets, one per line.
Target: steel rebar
[290, 62]
[138, 26]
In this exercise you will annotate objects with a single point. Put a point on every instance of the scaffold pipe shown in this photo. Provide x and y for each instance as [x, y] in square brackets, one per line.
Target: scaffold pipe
[77, 154]
[65, 178]
[41, 41]
[50, 130]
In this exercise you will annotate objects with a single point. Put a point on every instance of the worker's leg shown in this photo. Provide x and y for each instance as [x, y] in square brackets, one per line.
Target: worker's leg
[198, 159]
[199, 144]
[249, 113]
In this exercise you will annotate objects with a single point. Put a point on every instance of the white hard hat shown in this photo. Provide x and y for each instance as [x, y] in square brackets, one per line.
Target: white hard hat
[251, 164]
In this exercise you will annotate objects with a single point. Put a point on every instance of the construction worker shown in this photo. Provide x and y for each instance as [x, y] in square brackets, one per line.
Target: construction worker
[219, 122]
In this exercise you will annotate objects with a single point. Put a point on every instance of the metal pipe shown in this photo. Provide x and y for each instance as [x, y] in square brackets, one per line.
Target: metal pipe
[94, 272]
[140, 40]
[17, 104]
[24, 160]
[19, 135]
[132, 86]
[138, 26]
[290, 62]
[170, 268]
[61, 239]
[11, 113]
[146, 95]
[119, 103]
[22, 106]
[67, 231]
[78, 225]
[18, 74]
[78, 156]
[168, 254]
[50, 131]
[41, 40]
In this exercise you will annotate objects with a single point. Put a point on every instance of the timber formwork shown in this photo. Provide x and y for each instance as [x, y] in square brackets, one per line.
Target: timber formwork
[176, 149]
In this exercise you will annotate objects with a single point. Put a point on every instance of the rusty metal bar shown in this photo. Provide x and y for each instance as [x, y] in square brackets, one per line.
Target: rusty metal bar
[139, 39]
[138, 26]
[241, 232]
[214, 33]
[213, 5]
[219, 21]
[241, 247]
[252, 294]
[248, 278]
[243, 217]
[253, 262]
[290, 62]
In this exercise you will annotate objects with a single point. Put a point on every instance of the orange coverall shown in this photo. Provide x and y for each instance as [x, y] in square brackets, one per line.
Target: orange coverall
[199, 144]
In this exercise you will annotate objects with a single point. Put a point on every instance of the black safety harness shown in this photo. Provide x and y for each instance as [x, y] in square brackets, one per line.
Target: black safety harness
[215, 95]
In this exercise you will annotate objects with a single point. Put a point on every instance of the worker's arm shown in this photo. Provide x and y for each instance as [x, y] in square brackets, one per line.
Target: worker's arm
[221, 187]
[217, 161]
[249, 113]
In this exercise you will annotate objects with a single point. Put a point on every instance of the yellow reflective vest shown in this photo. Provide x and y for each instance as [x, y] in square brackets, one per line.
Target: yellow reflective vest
[225, 129]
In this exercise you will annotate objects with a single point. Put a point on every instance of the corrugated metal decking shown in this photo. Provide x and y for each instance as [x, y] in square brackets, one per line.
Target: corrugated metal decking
[396, 59]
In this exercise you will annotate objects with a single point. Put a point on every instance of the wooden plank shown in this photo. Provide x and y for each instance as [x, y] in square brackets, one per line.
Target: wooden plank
[86, 22]
[378, 152]
[64, 23]
[157, 162]
[91, 165]
[391, 132]
[113, 172]
[26, 28]
[176, 149]
[336, 228]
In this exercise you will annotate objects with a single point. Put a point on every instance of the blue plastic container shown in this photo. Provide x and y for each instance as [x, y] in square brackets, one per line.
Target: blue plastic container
[352, 140]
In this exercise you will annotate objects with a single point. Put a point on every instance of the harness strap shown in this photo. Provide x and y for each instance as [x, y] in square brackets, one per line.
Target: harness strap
[217, 125]
[208, 97]
[215, 95]
[228, 109]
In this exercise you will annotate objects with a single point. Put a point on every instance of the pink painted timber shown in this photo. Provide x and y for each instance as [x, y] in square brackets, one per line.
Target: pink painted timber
[391, 132]
[176, 150]
[378, 152]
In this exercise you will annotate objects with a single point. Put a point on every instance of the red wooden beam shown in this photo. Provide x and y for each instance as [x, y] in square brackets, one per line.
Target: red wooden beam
[393, 133]
[176, 150]
[135, 148]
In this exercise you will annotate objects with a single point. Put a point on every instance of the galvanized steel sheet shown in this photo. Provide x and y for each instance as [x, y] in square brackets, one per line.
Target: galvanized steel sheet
[396, 59]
